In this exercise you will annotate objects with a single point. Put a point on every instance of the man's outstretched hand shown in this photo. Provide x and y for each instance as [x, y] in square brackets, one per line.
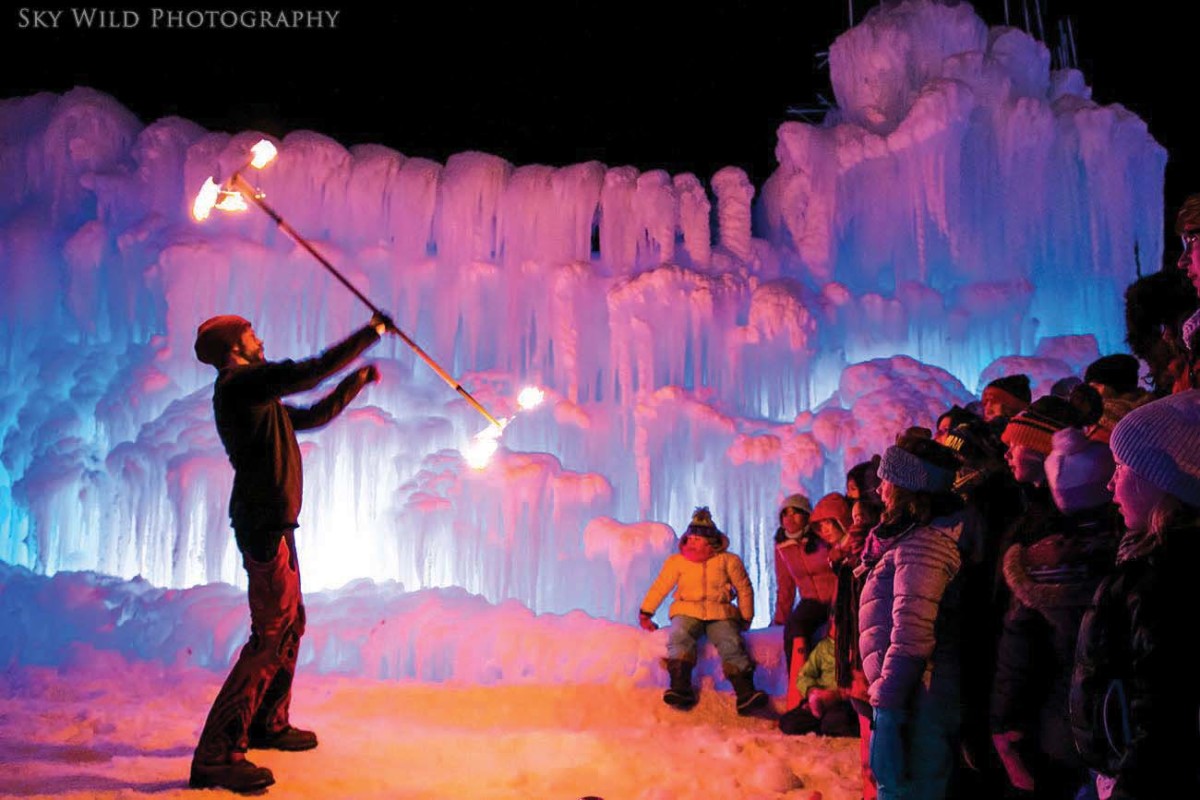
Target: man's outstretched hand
[382, 323]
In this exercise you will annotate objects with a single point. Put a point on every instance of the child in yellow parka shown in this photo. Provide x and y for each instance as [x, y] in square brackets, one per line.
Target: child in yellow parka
[705, 578]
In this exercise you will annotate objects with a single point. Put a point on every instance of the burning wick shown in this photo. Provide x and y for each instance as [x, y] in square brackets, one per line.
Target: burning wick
[530, 397]
[264, 153]
[478, 454]
[226, 196]
[202, 206]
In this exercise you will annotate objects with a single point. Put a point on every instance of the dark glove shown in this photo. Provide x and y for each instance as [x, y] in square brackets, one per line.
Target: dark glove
[368, 374]
[381, 318]
[647, 621]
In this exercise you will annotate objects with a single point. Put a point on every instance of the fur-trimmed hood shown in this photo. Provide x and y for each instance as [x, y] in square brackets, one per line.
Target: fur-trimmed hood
[1063, 569]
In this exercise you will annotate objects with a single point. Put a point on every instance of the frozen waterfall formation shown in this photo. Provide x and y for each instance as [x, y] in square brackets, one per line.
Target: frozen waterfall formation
[961, 204]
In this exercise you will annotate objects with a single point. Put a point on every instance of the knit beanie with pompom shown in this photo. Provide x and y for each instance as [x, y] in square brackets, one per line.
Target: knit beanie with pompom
[702, 525]
[1078, 470]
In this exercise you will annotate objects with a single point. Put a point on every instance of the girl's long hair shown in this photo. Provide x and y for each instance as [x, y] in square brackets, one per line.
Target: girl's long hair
[1171, 512]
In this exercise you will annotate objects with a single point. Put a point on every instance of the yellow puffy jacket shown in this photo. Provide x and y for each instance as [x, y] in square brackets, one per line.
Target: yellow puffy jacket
[704, 590]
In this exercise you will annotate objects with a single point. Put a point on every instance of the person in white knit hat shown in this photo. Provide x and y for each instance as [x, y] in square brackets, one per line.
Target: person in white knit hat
[1135, 699]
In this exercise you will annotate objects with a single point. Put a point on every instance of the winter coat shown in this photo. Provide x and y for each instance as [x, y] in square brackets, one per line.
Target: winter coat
[818, 669]
[908, 613]
[1037, 514]
[802, 564]
[1052, 583]
[846, 558]
[258, 430]
[993, 492]
[1135, 699]
[704, 590]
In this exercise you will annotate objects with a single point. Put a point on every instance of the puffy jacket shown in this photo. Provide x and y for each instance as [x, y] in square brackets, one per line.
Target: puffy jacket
[908, 613]
[1135, 700]
[802, 564]
[1052, 582]
[704, 590]
[818, 670]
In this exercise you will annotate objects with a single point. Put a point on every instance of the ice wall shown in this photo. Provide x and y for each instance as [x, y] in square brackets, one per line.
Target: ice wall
[971, 196]
[940, 219]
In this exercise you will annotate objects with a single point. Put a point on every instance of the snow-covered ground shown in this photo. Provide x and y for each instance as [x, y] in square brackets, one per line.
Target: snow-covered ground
[431, 694]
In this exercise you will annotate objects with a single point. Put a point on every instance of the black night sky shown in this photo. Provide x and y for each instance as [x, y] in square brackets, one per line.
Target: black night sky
[671, 85]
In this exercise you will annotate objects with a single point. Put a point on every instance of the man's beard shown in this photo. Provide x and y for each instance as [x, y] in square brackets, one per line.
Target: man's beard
[255, 357]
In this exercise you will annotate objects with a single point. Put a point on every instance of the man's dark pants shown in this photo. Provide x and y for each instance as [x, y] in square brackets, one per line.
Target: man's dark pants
[257, 693]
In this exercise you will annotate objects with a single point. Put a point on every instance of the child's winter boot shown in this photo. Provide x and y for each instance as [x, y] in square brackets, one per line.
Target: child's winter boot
[748, 698]
[680, 695]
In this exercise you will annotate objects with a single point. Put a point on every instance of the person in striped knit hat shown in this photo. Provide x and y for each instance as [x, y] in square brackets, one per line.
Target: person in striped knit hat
[1006, 397]
[1115, 377]
[1029, 436]
[1030, 439]
[1134, 698]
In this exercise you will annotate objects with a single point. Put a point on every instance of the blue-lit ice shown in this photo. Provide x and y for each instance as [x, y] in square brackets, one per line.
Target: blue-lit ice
[964, 203]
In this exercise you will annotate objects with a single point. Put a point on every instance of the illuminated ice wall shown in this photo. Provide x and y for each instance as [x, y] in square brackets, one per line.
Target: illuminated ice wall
[700, 342]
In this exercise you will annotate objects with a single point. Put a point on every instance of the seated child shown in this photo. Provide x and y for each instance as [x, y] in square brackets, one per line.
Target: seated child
[705, 578]
[825, 708]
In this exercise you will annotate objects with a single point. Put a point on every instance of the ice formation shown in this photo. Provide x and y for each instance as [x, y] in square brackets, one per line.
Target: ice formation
[963, 203]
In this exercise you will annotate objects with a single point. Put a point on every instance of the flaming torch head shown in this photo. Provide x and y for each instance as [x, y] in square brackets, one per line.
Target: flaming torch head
[228, 196]
[264, 153]
[202, 206]
[530, 397]
[232, 200]
[478, 454]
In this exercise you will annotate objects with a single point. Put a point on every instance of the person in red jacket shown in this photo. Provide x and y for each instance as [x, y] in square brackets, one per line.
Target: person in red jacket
[258, 432]
[803, 545]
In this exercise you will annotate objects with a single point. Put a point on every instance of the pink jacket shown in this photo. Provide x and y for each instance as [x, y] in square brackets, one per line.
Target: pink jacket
[810, 573]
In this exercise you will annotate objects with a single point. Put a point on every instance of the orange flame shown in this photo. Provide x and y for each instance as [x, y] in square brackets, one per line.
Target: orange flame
[232, 200]
[205, 200]
[478, 454]
[225, 197]
[530, 397]
[264, 153]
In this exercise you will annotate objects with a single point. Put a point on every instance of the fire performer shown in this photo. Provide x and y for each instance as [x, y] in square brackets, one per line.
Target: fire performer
[258, 432]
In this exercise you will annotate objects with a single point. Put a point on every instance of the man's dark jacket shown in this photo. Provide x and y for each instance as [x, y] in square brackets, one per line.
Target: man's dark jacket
[258, 430]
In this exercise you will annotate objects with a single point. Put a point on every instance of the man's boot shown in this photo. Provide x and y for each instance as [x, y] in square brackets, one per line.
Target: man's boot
[236, 774]
[680, 695]
[293, 739]
[748, 698]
